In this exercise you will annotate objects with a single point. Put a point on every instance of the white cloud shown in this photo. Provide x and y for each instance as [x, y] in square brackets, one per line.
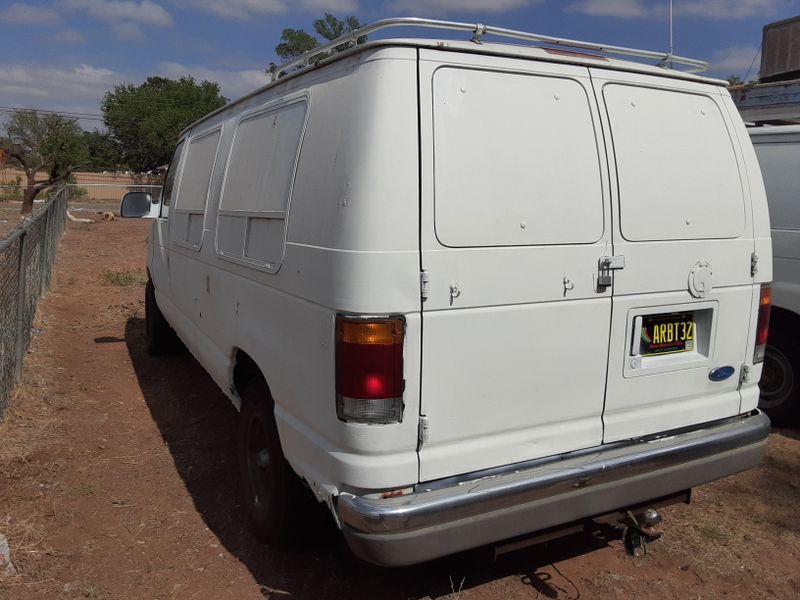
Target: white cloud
[80, 88]
[625, 9]
[735, 61]
[246, 9]
[237, 9]
[341, 7]
[233, 84]
[145, 12]
[728, 9]
[69, 36]
[709, 9]
[24, 14]
[73, 89]
[426, 7]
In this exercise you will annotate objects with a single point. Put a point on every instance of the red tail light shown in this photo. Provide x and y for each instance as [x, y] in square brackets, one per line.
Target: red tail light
[369, 370]
[762, 329]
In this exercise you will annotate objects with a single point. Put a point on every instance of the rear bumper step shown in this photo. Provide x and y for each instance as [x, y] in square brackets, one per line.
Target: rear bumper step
[476, 511]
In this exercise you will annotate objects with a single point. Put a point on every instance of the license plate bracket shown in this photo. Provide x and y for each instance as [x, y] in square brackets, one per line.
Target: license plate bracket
[666, 333]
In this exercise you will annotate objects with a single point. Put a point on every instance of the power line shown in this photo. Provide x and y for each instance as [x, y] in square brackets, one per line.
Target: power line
[746, 75]
[71, 115]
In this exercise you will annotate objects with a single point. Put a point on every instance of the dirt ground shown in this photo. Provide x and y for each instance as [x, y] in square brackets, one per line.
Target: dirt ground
[118, 481]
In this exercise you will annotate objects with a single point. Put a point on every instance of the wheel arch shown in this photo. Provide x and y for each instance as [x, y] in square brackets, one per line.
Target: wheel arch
[244, 369]
[784, 317]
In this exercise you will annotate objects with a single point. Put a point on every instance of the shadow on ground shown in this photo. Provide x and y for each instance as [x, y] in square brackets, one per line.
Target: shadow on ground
[198, 424]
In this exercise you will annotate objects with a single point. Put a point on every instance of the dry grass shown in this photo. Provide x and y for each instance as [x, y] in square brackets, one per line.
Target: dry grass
[24, 427]
[125, 278]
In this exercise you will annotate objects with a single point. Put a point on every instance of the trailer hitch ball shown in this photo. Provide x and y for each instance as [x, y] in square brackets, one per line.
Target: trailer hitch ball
[641, 529]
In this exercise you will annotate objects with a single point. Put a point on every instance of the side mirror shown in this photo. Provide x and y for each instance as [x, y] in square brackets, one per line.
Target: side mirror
[135, 205]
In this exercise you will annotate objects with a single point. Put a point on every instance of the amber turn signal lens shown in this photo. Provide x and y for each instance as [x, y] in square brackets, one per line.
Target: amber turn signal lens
[382, 332]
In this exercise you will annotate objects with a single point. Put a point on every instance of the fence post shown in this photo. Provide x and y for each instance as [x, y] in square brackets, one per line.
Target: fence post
[43, 250]
[19, 342]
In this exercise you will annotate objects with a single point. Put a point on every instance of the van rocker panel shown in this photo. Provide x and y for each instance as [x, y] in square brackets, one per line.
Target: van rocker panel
[481, 509]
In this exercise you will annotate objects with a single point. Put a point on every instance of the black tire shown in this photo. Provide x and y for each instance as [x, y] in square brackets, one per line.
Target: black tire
[161, 338]
[273, 496]
[780, 379]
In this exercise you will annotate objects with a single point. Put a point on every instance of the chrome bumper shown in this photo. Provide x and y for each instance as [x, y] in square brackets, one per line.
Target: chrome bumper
[479, 509]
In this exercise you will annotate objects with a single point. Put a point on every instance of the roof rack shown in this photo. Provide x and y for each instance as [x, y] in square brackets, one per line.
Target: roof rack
[478, 30]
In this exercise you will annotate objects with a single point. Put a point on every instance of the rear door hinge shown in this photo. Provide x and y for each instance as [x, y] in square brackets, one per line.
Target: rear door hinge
[753, 264]
[745, 374]
[605, 266]
[422, 431]
[424, 284]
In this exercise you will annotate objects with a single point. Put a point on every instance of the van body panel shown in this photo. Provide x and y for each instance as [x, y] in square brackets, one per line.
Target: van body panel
[676, 263]
[513, 302]
[516, 209]
[331, 264]
[778, 151]
[674, 391]
[651, 128]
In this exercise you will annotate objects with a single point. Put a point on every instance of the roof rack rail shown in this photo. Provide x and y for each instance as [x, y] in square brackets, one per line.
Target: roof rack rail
[478, 30]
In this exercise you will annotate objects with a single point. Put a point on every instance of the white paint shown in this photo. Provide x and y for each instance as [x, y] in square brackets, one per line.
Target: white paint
[778, 150]
[530, 166]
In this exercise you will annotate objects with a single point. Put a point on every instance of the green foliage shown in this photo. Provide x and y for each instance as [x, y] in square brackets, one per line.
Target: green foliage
[145, 120]
[295, 42]
[46, 142]
[103, 152]
[39, 144]
[735, 80]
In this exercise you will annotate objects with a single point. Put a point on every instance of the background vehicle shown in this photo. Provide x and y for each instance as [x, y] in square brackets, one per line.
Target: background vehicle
[466, 291]
[778, 150]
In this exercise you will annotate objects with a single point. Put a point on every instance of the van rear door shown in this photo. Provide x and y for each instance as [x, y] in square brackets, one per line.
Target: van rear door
[682, 224]
[515, 216]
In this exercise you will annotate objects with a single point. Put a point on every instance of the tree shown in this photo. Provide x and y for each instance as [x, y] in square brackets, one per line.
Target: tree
[103, 153]
[145, 120]
[735, 80]
[46, 147]
[295, 42]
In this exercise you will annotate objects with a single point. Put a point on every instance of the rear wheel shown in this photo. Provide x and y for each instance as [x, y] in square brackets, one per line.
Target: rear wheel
[161, 338]
[780, 379]
[274, 498]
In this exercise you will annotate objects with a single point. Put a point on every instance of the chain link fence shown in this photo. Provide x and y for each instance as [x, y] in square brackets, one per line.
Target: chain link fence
[27, 255]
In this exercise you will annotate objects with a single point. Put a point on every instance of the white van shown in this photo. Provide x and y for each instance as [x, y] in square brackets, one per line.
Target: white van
[778, 151]
[465, 291]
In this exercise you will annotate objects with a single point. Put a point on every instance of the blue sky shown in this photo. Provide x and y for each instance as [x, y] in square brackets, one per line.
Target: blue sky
[64, 54]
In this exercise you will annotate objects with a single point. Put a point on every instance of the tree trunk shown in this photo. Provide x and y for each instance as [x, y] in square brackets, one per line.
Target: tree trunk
[27, 197]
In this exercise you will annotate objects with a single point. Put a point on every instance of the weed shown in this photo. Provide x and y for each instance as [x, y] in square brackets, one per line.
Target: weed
[125, 278]
[712, 533]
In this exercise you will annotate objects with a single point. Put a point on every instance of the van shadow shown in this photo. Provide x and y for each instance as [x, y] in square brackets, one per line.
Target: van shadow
[198, 425]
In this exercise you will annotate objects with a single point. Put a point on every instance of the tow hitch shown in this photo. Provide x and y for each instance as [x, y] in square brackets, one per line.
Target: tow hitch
[640, 530]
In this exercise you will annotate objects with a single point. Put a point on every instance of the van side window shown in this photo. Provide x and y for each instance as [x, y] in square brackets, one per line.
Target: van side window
[193, 188]
[516, 160]
[258, 185]
[676, 164]
[169, 180]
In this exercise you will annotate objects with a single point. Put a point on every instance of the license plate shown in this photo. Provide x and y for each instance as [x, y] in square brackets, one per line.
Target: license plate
[667, 334]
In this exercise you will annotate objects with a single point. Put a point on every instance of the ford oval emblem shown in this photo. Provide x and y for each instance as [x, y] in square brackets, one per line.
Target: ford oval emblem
[721, 373]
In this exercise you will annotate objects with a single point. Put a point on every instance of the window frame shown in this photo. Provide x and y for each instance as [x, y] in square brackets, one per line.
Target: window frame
[178, 167]
[176, 207]
[594, 119]
[269, 107]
